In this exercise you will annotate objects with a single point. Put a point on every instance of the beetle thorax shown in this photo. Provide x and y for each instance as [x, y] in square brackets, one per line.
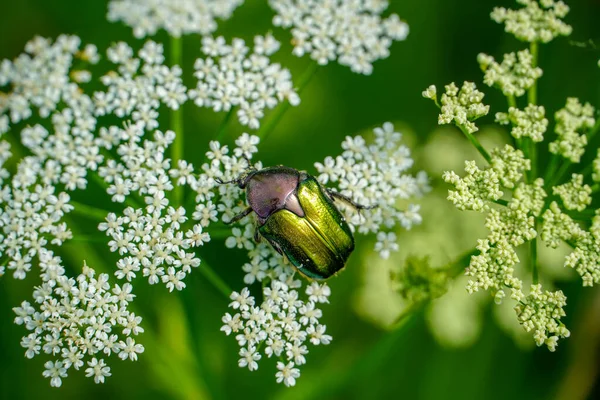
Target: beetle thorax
[273, 189]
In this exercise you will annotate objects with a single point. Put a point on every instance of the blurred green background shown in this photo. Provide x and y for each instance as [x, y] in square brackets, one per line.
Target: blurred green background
[190, 358]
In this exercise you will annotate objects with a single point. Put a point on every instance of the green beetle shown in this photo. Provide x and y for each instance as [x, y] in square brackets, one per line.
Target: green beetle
[298, 218]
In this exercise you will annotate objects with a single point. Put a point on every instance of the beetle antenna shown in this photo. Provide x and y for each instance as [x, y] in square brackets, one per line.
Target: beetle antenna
[222, 182]
[249, 165]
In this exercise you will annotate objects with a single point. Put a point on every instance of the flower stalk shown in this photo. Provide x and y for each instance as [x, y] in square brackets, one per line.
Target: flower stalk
[282, 108]
[177, 121]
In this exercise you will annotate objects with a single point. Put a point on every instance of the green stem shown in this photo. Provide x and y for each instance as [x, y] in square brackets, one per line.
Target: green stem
[532, 92]
[476, 143]
[280, 110]
[177, 124]
[132, 200]
[558, 176]
[512, 102]
[223, 127]
[584, 216]
[534, 257]
[406, 313]
[587, 170]
[533, 158]
[532, 98]
[215, 279]
[501, 202]
[219, 232]
[550, 171]
[89, 238]
[89, 211]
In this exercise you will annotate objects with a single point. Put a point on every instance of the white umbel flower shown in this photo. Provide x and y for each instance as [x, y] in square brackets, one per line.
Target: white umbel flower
[177, 17]
[351, 32]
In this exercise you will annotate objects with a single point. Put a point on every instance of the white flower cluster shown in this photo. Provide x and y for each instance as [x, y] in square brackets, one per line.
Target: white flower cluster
[460, 107]
[140, 85]
[230, 76]
[572, 122]
[150, 238]
[65, 149]
[349, 31]
[78, 320]
[281, 326]
[374, 175]
[514, 76]
[537, 21]
[29, 222]
[32, 205]
[530, 122]
[40, 77]
[177, 17]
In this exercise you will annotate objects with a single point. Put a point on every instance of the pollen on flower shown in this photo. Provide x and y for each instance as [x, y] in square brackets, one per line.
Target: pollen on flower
[351, 32]
[232, 76]
[147, 17]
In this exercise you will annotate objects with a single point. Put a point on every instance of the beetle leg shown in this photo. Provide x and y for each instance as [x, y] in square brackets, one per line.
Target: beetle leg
[256, 235]
[336, 195]
[276, 247]
[239, 216]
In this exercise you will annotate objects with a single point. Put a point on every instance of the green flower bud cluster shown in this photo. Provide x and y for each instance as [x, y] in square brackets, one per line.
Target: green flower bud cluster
[462, 106]
[514, 76]
[537, 21]
[530, 122]
[526, 197]
[418, 281]
[570, 121]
